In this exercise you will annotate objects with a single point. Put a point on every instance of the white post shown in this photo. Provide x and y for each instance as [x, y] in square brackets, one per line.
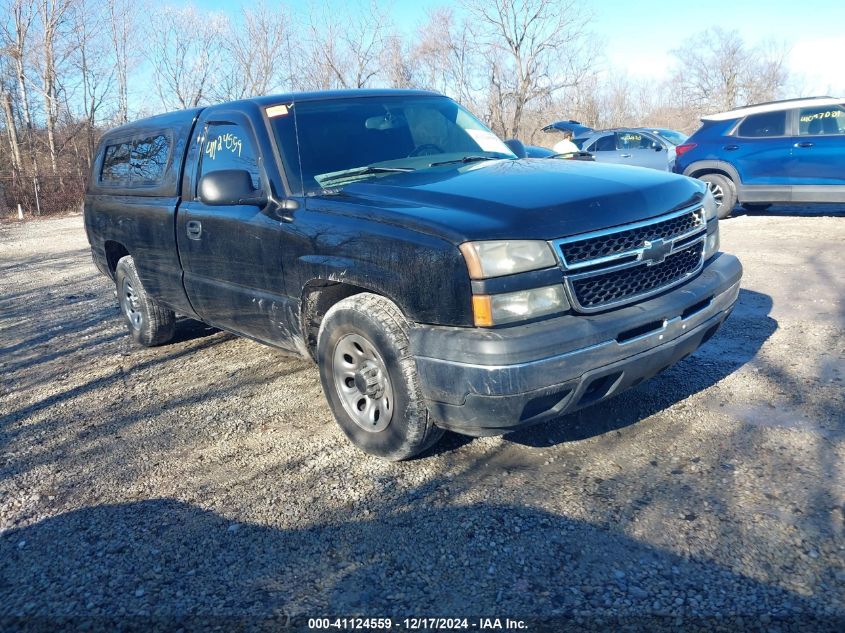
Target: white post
[20, 212]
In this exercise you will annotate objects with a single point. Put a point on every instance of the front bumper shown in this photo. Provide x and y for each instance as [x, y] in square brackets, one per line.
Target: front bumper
[491, 381]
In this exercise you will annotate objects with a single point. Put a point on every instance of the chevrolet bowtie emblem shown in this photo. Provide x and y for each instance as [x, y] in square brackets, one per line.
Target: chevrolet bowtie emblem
[655, 252]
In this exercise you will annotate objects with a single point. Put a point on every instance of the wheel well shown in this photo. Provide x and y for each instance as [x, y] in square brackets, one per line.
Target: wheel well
[114, 251]
[317, 297]
[698, 173]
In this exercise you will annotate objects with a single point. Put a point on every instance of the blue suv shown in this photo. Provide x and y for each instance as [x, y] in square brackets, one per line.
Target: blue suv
[789, 151]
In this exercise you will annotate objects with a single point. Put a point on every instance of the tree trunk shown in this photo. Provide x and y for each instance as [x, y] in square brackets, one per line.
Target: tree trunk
[49, 22]
[12, 131]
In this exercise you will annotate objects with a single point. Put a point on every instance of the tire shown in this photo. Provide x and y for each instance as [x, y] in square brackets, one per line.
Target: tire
[755, 206]
[370, 378]
[149, 322]
[723, 191]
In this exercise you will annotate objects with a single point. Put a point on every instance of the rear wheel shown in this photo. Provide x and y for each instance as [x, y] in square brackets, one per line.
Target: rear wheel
[149, 322]
[724, 192]
[370, 378]
[755, 206]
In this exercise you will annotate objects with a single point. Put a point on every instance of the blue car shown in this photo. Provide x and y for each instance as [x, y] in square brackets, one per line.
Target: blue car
[790, 151]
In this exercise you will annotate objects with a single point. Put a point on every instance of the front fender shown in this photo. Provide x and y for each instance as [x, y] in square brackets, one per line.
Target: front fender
[425, 275]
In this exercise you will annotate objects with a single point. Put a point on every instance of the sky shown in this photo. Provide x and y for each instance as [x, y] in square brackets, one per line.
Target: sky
[639, 35]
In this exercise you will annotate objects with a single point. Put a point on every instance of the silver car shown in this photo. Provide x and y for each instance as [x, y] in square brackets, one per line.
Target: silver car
[642, 147]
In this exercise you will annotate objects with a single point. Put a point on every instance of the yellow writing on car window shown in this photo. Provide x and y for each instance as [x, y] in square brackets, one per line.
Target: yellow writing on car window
[228, 142]
[629, 138]
[830, 114]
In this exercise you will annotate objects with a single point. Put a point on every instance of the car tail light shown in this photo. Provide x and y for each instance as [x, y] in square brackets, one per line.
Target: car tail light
[684, 148]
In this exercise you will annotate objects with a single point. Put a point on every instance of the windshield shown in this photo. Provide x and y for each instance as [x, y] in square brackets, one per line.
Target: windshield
[330, 143]
[676, 138]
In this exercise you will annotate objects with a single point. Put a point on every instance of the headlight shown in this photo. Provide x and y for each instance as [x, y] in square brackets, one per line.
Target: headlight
[506, 257]
[711, 217]
[711, 244]
[518, 306]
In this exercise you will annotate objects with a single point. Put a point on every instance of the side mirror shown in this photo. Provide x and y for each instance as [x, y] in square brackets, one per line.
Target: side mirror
[230, 187]
[517, 147]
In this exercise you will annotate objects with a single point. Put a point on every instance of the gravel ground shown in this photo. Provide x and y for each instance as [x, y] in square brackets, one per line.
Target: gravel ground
[206, 482]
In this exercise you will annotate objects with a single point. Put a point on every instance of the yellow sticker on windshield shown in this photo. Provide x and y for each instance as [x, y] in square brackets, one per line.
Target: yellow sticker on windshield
[277, 110]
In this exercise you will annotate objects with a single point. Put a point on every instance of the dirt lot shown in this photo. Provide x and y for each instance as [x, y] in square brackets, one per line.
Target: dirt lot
[207, 478]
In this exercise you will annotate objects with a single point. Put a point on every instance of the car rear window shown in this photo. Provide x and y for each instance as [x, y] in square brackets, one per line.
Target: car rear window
[137, 162]
[764, 124]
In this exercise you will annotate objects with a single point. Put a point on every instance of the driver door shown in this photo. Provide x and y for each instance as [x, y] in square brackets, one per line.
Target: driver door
[232, 254]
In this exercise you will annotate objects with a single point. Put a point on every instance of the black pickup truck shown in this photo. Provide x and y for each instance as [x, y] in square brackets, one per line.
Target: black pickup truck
[439, 281]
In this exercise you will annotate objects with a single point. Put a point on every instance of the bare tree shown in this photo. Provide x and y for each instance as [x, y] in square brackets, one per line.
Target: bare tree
[93, 67]
[16, 44]
[717, 71]
[122, 27]
[446, 57]
[397, 63]
[53, 14]
[257, 55]
[534, 48]
[344, 49]
[183, 45]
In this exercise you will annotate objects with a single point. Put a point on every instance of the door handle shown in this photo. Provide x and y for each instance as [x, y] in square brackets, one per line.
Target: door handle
[804, 144]
[624, 156]
[194, 228]
[731, 148]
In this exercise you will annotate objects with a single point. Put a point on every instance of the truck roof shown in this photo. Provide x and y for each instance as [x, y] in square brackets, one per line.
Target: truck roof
[178, 118]
[326, 95]
[175, 119]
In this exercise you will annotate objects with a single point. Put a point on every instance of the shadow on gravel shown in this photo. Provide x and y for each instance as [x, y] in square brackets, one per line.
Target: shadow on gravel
[7, 432]
[737, 342]
[175, 565]
[189, 329]
[54, 261]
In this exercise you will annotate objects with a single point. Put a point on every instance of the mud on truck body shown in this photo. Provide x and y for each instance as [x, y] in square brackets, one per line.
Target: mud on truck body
[438, 281]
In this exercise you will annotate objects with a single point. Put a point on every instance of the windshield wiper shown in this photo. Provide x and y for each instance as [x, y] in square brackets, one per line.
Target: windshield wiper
[465, 159]
[361, 171]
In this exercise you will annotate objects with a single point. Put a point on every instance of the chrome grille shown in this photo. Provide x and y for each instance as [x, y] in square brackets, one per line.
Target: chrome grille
[608, 244]
[600, 290]
[614, 267]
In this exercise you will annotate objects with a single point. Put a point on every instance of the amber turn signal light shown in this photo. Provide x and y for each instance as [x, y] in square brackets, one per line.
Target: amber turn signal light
[472, 260]
[482, 310]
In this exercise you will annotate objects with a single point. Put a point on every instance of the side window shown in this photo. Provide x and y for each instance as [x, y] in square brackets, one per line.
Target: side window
[605, 144]
[228, 146]
[634, 140]
[136, 162]
[825, 120]
[763, 124]
[116, 164]
[148, 159]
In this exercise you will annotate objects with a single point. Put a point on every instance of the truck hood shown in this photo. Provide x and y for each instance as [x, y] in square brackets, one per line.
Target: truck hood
[515, 199]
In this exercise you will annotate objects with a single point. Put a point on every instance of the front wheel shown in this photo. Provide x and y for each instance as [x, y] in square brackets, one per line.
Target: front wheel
[370, 378]
[724, 193]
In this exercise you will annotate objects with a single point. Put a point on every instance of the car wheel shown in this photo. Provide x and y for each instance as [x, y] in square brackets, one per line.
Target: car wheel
[755, 206]
[370, 378]
[149, 322]
[724, 193]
